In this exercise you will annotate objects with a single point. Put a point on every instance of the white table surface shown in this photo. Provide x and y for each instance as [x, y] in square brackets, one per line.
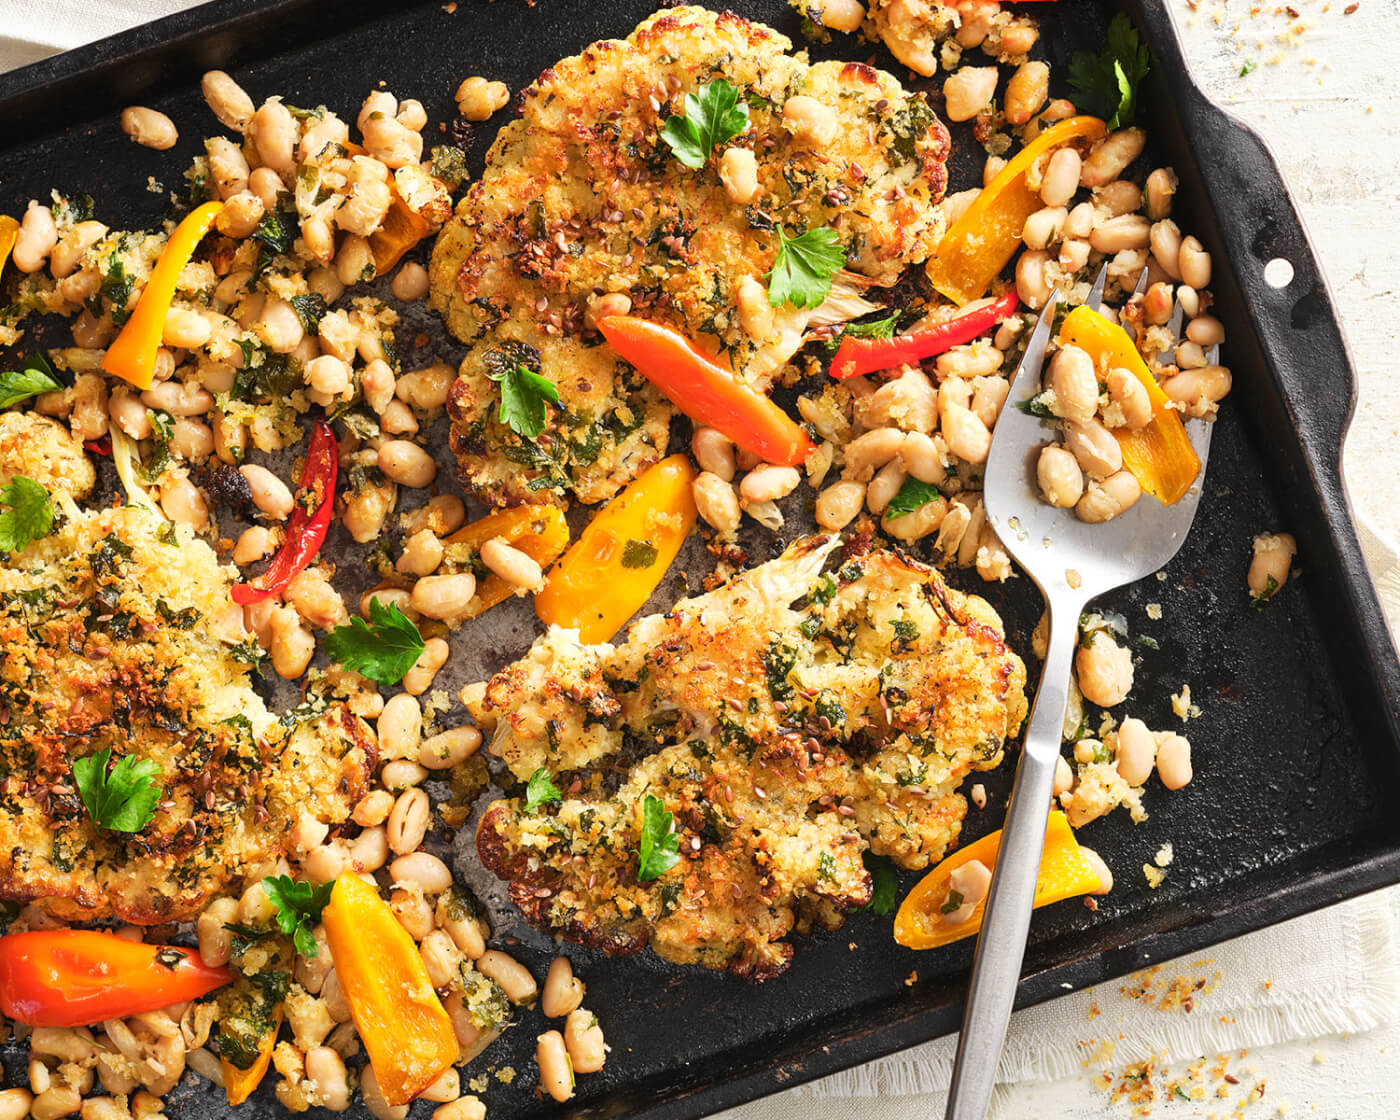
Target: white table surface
[1324, 96]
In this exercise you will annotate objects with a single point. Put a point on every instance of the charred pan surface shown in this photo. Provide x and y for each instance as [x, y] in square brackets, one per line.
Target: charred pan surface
[581, 197]
[109, 635]
[790, 720]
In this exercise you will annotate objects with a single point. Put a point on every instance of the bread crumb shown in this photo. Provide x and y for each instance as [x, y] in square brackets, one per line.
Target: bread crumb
[1181, 703]
[1154, 875]
[1164, 855]
[979, 795]
[1154, 611]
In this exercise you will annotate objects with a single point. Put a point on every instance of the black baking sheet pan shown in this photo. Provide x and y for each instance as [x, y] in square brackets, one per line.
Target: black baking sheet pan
[1293, 804]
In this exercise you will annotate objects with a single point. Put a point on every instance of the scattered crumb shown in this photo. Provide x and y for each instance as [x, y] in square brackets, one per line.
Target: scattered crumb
[1161, 577]
[911, 979]
[1164, 855]
[505, 1075]
[1072, 577]
[1319, 1057]
[1154, 611]
[1154, 875]
[1181, 703]
[153, 185]
[851, 946]
[479, 1083]
[979, 795]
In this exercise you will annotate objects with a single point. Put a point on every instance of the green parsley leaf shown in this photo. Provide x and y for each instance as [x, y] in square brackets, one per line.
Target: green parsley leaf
[804, 267]
[383, 650]
[872, 328]
[638, 554]
[29, 516]
[299, 907]
[1107, 83]
[660, 846]
[1248, 68]
[541, 790]
[33, 377]
[955, 899]
[884, 892]
[1270, 588]
[713, 117]
[1036, 407]
[523, 396]
[123, 798]
[310, 309]
[913, 495]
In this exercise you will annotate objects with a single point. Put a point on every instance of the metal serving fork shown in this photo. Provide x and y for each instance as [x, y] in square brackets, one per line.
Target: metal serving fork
[1072, 562]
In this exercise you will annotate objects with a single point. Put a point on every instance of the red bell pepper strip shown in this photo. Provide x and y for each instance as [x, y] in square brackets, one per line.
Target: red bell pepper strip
[101, 446]
[73, 977]
[707, 391]
[305, 531]
[857, 356]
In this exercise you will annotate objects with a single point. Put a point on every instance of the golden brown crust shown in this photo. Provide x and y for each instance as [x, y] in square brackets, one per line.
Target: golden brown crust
[786, 741]
[108, 638]
[581, 197]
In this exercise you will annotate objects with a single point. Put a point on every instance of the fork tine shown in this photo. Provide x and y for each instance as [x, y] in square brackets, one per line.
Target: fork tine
[1033, 357]
[1141, 286]
[1095, 300]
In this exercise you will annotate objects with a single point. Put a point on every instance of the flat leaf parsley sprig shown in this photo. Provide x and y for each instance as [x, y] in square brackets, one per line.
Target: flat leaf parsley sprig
[711, 118]
[383, 650]
[1106, 83]
[804, 267]
[122, 798]
[299, 907]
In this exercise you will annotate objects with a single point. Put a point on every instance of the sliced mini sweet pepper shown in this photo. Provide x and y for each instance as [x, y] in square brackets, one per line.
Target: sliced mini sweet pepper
[308, 524]
[9, 231]
[1065, 871]
[132, 355]
[402, 228]
[538, 531]
[706, 390]
[1159, 455]
[621, 555]
[979, 244]
[240, 1083]
[406, 1030]
[73, 977]
[857, 356]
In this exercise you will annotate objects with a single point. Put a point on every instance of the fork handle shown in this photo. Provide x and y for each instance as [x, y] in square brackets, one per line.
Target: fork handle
[1001, 945]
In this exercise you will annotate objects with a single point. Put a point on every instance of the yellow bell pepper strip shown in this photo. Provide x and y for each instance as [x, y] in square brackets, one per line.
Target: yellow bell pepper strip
[9, 230]
[132, 355]
[979, 244]
[1065, 871]
[406, 1030]
[240, 1083]
[1159, 455]
[706, 390]
[621, 555]
[538, 531]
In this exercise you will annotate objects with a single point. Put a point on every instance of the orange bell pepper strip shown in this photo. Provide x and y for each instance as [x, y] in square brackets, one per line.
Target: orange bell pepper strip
[9, 231]
[706, 390]
[73, 977]
[132, 355]
[399, 232]
[240, 1083]
[538, 531]
[406, 1030]
[1159, 455]
[979, 244]
[1065, 871]
[621, 555]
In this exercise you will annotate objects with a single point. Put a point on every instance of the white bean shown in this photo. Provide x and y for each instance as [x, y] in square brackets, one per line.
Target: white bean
[968, 438]
[444, 597]
[36, 238]
[811, 123]
[1158, 192]
[420, 676]
[1031, 283]
[716, 501]
[738, 171]
[422, 553]
[714, 452]
[1137, 752]
[1043, 228]
[408, 822]
[1112, 156]
[1127, 391]
[410, 282]
[1194, 263]
[884, 486]
[227, 99]
[1058, 474]
[427, 872]
[1174, 762]
[448, 748]
[270, 493]
[1075, 384]
[1095, 447]
[969, 90]
[768, 483]
[923, 458]
[1104, 669]
[583, 1037]
[1105, 499]
[274, 133]
[149, 127]
[1129, 231]
[1061, 178]
[556, 1074]
[1270, 563]
[512, 976]
[1165, 241]
[400, 727]
[839, 504]
[1206, 330]
[563, 991]
[517, 568]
